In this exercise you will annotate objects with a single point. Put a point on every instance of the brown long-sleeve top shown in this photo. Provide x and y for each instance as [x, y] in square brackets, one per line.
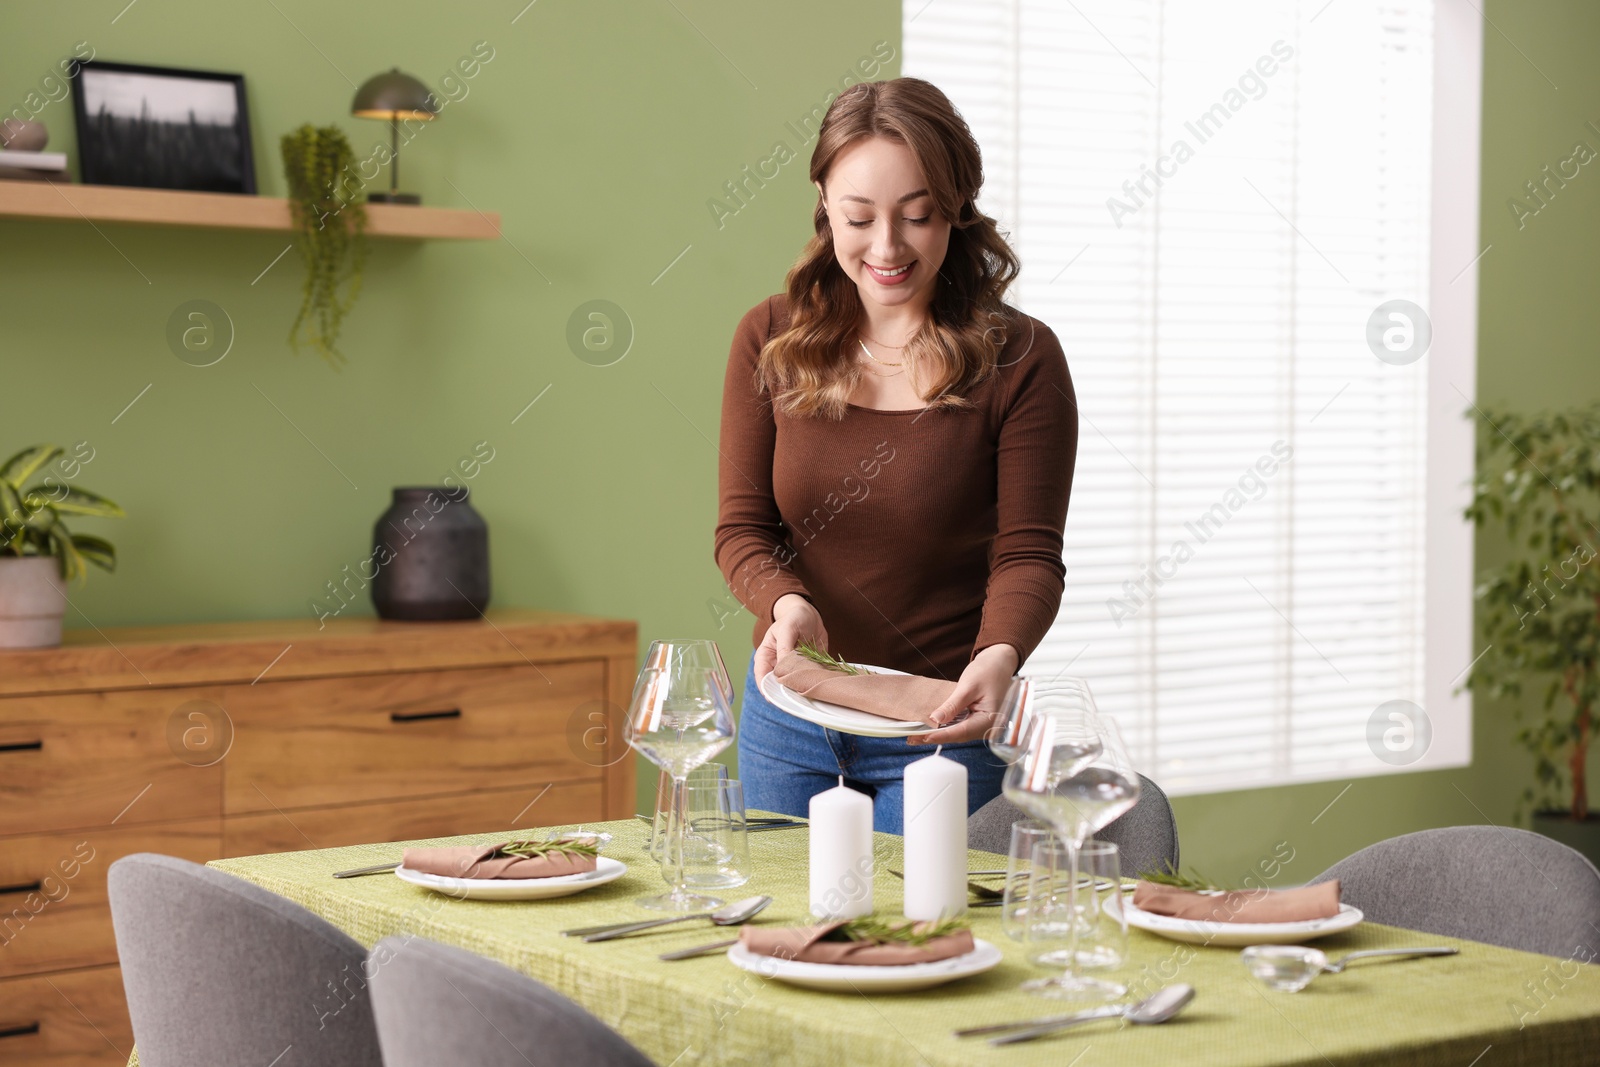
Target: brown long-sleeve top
[921, 537]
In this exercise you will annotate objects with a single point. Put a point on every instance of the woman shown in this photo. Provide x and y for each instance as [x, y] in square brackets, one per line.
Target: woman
[897, 453]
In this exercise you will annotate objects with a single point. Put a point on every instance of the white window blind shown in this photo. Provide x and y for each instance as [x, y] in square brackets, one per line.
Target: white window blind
[1247, 540]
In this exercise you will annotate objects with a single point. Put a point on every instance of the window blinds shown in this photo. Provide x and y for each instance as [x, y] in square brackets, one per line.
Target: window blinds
[1211, 201]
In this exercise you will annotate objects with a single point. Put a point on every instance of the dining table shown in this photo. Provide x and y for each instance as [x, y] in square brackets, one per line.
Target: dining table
[1487, 1006]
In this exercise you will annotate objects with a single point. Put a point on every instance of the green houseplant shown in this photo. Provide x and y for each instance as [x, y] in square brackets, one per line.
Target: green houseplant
[38, 554]
[1538, 477]
[330, 219]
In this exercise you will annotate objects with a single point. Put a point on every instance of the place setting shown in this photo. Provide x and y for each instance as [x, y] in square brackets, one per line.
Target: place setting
[1062, 897]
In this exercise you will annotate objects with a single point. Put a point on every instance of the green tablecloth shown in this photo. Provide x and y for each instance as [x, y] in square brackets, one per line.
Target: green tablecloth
[1503, 1006]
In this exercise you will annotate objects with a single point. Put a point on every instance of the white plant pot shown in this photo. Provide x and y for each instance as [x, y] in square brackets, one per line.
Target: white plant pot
[33, 601]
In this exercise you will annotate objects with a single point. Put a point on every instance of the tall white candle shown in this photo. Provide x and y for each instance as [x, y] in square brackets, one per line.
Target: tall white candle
[935, 838]
[841, 853]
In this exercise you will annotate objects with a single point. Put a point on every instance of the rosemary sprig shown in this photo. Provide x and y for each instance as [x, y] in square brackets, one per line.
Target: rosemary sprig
[816, 655]
[1194, 880]
[882, 931]
[536, 849]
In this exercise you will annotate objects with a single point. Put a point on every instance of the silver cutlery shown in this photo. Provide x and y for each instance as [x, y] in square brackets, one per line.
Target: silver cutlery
[751, 820]
[1339, 964]
[698, 950]
[728, 915]
[982, 892]
[377, 868]
[1162, 1005]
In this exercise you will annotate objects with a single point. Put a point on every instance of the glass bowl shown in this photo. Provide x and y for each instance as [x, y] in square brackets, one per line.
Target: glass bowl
[1286, 968]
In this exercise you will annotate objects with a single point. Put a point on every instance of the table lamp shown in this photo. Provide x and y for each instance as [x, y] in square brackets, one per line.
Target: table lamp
[394, 96]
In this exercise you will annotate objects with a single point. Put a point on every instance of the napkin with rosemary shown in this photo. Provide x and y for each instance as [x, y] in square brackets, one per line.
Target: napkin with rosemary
[1193, 897]
[508, 859]
[815, 674]
[868, 941]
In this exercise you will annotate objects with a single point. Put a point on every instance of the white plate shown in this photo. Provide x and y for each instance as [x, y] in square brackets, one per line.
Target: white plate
[1228, 935]
[606, 870]
[852, 978]
[836, 716]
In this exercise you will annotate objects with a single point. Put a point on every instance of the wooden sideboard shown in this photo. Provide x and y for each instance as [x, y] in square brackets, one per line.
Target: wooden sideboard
[235, 739]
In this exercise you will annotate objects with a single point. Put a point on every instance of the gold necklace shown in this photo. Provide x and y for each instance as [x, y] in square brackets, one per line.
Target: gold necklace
[875, 359]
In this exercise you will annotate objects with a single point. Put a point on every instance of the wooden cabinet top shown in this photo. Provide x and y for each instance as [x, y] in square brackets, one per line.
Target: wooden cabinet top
[246, 652]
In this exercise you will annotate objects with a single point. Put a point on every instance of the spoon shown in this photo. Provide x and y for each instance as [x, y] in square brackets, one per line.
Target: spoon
[727, 915]
[1290, 968]
[1160, 1006]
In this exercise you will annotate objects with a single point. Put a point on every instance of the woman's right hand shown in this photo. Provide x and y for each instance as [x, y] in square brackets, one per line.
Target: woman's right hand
[794, 619]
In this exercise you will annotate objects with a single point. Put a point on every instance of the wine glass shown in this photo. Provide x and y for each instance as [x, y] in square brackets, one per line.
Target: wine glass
[690, 652]
[1067, 699]
[1052, 781]
[682, 653]
[679, 718]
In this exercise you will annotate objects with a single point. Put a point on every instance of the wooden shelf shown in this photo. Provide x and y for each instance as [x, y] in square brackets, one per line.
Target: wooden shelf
[166, 207]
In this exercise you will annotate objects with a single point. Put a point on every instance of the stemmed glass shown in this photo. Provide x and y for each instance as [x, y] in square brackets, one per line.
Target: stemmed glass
[1051, 780]
[679, 718]
[1066, 699]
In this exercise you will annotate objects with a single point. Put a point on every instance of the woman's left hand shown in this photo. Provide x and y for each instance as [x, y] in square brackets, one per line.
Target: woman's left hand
[982, 687]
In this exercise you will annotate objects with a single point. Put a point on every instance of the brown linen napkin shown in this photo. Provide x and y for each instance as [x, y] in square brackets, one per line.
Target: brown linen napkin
[907, 697]
[805, 944]
[473, 861]
[1243, 906]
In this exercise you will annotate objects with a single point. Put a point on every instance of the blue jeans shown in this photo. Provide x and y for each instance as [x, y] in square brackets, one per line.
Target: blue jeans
[785, 761]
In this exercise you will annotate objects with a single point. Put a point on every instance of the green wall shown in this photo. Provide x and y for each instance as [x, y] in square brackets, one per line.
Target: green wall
[599, 131]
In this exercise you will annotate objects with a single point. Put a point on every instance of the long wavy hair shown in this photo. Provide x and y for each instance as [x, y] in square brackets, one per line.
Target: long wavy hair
[809, 368]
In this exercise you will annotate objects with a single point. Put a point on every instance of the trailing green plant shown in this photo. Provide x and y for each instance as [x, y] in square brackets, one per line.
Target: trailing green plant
[816, 655]
[1538, 476]
[329, 212]
[560, 846]
[31, 518]
[881, 931]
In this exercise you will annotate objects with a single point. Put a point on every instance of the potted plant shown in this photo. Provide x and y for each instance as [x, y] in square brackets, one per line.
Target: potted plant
[38, 554]
[1538, 476]
[330, 221]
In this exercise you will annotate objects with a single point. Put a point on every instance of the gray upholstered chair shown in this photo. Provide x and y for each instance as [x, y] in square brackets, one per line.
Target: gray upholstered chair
[217, 970]
[432, 1002]
[1146, 836]
[1493, 884]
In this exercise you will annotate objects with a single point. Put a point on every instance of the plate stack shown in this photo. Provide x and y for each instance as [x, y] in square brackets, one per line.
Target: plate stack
[22, 157]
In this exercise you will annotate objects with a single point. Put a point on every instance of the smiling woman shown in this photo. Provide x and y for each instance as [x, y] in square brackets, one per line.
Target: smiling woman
[893, 335]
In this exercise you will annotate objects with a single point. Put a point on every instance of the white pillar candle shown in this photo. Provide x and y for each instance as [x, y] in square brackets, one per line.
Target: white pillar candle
[841, 853]
[935, 838]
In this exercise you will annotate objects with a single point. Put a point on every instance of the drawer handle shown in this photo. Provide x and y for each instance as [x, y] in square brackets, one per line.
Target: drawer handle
[25, 887]
[20, 1031]
[422, 716]
[22, 746]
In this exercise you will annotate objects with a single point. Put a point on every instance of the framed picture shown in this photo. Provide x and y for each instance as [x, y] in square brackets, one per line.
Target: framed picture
[162, 128]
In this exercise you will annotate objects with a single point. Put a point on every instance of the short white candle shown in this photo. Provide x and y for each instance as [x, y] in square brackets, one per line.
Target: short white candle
[935, 838]
[841, 853]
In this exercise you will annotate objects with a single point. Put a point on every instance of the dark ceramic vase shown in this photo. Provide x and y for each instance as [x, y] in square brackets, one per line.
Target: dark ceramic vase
[432, 551]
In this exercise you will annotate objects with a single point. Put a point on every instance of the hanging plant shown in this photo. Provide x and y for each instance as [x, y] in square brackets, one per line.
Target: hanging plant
[330, 220]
